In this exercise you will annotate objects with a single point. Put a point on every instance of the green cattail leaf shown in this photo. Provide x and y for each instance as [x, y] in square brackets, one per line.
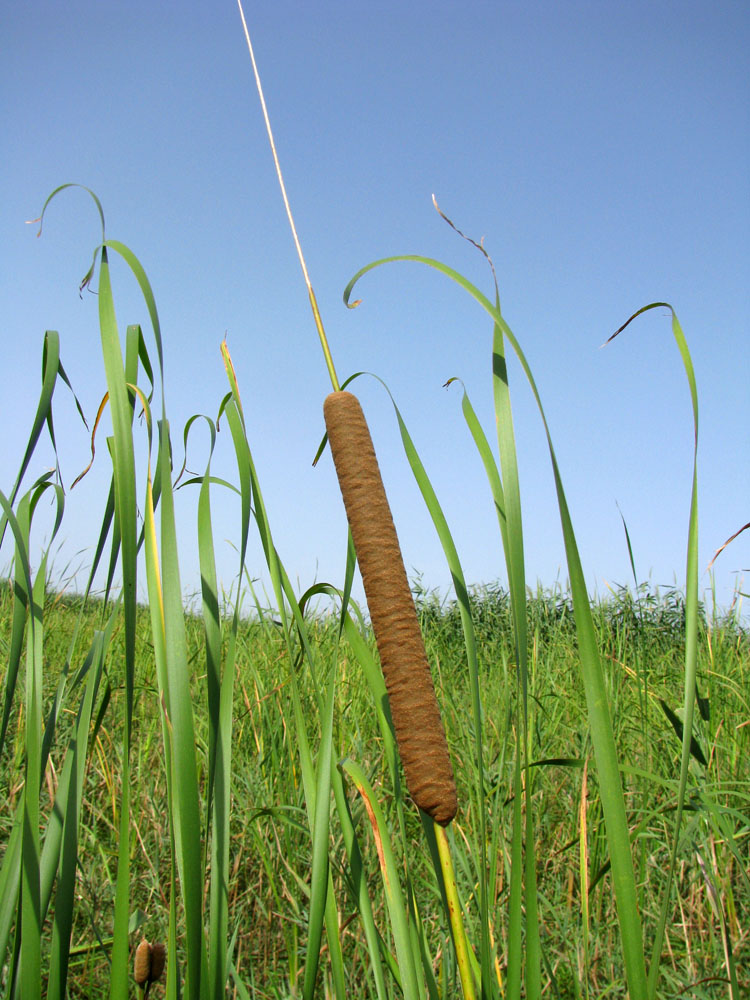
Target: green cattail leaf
[125, 538]
[61, 845]
[185, 778]
[389, 871]
[691, 635]
[593, 678]
[679, 729]
[219, 689]
[319, 881]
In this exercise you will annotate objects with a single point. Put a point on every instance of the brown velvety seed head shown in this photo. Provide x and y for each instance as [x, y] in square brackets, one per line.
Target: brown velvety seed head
[158, 961]
[414, 709]
[142, 968]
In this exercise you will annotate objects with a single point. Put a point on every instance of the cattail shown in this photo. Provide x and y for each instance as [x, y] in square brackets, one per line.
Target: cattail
[158, 961]
[149, 963]
[414, 709]
[142, 969]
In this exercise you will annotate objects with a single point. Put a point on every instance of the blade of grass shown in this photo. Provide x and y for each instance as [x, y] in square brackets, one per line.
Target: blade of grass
[389, 871]
[179, 706]
[691, 633]
[125, 510]
[596, 695]
[319, 882]
[220, 690]
[63, 843]
[30, 902]
[124, 537]
[511, 528]
[51, 369]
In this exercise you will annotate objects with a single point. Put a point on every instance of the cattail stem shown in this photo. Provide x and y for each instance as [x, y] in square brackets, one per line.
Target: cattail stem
[464, 955]
[416, 717]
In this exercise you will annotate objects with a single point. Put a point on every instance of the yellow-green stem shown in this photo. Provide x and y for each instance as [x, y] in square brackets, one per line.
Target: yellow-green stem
[460, 942]
[323, 338]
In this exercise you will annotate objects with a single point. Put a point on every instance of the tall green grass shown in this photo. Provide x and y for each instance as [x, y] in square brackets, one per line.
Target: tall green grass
[230, 785]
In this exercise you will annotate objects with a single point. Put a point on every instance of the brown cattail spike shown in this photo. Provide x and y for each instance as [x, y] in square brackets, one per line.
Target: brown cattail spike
[158, 961]
[142, 968]
[149, 963]
[416, 716]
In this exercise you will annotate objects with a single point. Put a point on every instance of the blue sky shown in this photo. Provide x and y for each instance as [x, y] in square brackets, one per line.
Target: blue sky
[600, 149]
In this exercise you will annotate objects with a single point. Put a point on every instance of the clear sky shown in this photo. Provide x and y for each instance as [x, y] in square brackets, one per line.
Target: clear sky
[601, 149]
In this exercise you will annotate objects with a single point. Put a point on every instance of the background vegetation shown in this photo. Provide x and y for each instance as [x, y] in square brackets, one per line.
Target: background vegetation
[641, 636]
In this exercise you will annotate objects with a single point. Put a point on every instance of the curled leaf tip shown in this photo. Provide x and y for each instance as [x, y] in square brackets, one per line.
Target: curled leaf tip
[726, 543]
[639, 312]
[479, 244]
[353, 305]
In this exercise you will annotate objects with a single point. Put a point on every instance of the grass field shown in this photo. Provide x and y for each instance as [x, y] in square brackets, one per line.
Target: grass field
[642, 641]
[230, 787]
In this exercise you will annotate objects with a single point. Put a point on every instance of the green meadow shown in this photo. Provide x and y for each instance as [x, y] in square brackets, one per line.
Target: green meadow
[641, 637]
[225, 780]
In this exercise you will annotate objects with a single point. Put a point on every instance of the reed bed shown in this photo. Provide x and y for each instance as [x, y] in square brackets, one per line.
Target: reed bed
[270, 843]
